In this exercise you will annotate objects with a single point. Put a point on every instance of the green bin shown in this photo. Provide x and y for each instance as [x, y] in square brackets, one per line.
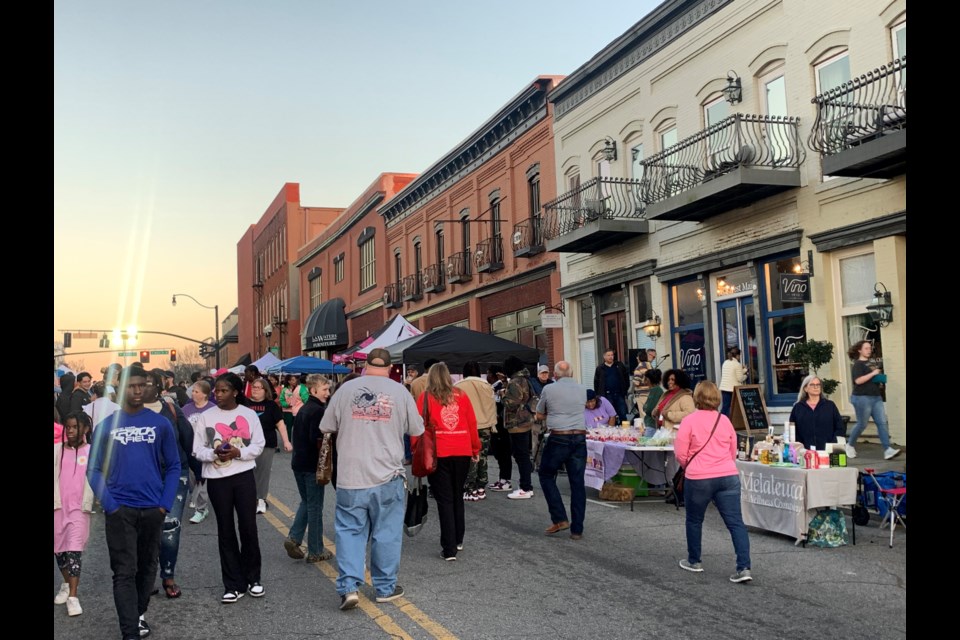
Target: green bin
[628, 477]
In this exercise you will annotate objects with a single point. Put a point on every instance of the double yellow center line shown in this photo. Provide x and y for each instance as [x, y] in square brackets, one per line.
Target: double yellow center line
[369, 607]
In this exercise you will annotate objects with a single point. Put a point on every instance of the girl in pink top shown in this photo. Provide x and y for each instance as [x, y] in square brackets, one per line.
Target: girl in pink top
[706, 447]
[72, 504]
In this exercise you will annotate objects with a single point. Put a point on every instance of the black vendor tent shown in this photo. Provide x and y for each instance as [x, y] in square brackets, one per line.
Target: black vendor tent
[456, 345]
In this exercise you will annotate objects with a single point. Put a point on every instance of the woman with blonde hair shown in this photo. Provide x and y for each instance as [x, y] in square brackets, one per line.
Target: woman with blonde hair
[706, 447]
[450, 414]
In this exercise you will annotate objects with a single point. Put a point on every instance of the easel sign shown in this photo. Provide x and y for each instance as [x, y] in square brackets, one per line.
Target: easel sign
[749, 409]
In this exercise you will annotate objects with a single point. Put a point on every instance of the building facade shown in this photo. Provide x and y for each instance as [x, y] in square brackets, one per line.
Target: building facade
[268, 291]
[754, 202]
[464, 242]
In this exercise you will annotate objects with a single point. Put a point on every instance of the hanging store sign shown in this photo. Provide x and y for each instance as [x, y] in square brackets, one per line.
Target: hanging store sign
[794, 287]
[552, 320]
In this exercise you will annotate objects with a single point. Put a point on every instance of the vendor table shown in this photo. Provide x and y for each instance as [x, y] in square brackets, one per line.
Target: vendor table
[656, 465]
[785, 499]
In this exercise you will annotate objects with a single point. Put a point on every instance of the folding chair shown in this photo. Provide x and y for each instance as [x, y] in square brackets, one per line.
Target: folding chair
[892, 497]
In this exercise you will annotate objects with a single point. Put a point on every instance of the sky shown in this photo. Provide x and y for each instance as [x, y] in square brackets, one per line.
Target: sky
[176, 123]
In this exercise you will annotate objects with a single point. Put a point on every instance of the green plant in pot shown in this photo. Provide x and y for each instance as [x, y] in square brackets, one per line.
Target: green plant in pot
[813, 354]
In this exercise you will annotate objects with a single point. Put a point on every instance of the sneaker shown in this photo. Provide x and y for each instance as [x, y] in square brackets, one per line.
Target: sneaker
[319, 557]
[199, 516]
[481, 493]
[741, 576]
[231, 596]
[349, 601]
[397, 593]
[73, 607]
[293, 549]
[696, 567]
[256, 590]
[143, 627]
[261, 506]
[450, 558]
[470, 496]
[520, 494]
[500, 485]
[890, 453]
[193, 505]
[851, 452]
[62, 595]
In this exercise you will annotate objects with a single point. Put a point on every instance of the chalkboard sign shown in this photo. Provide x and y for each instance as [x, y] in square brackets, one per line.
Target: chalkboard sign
[749, 410]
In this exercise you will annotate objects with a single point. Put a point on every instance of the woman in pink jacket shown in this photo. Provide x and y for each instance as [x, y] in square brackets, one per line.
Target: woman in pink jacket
[706, 447]
[451, 414]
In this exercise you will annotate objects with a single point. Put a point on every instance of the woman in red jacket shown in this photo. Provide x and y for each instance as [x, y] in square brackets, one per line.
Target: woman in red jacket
[449, 413]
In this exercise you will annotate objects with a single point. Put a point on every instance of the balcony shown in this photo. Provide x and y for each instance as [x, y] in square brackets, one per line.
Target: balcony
[528, 238]
[489, 256]
[861, 126]
[601, 213]
[432, 278]
[410, 290]
[458, 267]
[736, 162]
[391, 296]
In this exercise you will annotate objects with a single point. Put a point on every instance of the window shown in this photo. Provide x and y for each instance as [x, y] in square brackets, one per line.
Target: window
[899, 35]
[585, 343]
[368, 275]
[417, 258]
[439, 236]
[636, 157]
[857, 275]
[397, 267]
[785, 327]
[668, 138]
[338, 268]
[714, 112]
[643, 312]
[522, 326]
[833, 72]
[688, 334]
[533, 189]
[495, 214]
[315, 293]
[465, 231]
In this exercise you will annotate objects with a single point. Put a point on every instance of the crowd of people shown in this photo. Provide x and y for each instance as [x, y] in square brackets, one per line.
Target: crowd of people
[142, 447]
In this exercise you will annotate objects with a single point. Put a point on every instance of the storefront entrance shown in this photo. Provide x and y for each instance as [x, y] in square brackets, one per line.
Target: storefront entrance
[615, 334]
[738, 328]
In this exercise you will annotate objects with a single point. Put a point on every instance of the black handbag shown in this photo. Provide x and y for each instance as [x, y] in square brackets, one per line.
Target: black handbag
[680, 475]
[416, 512]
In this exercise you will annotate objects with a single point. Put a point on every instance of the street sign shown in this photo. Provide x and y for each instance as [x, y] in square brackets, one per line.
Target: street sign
[124, 354]
[159, 352]
[88, 335]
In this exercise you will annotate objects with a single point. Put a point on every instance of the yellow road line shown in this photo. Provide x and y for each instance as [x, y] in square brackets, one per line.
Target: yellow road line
[424, 621]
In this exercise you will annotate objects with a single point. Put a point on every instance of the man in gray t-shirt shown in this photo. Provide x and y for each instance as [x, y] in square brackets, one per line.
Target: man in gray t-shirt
[370, 416]
[562, 405]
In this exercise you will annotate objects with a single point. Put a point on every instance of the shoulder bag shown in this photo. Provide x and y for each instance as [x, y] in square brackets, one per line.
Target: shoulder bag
[680, 475]
[325, 461]
[425, 452]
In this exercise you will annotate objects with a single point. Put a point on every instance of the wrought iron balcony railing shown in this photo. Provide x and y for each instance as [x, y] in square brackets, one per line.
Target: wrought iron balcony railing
[489, 256]
[391, 296]
[740, 140]
[528, 237]
[596, 199]
[433, 281]
[459, 267]
[862, 109]
[410, 288]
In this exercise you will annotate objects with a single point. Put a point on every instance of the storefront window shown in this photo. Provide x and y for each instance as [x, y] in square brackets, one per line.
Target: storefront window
[785, 332]
[641, 293]
[586, 315]
[689, 338]
[693, 357]
[785, 326]
[736, 281]
[689, 303]
[786, 265]
[612, 301]
[522, 326]
[857, 277]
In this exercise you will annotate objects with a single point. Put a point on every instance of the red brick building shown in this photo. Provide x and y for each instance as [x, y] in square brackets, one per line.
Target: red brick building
[268, 288]
[464, 242]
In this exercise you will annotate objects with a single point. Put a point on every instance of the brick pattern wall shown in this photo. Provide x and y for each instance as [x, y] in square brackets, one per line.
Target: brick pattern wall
[456, 314]
[362, 326]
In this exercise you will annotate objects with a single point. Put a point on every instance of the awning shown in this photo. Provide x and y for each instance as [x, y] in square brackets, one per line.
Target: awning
[325, 327]
[244, 360]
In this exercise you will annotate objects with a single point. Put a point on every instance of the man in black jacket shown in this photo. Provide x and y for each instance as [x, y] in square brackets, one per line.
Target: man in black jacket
[612, 380]
[81, 393]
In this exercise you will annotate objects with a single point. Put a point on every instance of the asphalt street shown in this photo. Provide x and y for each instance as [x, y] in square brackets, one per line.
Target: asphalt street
[511, 582]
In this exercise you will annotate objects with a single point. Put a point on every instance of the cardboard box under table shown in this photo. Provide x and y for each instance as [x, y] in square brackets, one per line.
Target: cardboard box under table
[656, 465]
[785, 499]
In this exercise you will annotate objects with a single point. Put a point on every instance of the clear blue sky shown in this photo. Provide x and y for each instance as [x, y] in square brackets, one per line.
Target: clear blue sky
[176, 123]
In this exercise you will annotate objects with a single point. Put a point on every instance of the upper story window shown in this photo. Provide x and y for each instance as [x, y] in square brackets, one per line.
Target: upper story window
[774, 93]
[368, 263]
[668, 137]
[315, 293]
[533, 191]
[495, 212]
[417, 257]
[439, 236]
[465, 230]
[832, 72]
[899, 35]
[636, 157]
[397, 266]
[338, 268]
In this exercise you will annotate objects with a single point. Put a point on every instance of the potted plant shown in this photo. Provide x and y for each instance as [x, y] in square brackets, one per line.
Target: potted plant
[813, 354]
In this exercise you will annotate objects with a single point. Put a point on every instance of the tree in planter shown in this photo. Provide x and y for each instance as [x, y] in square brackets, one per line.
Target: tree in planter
[813, 354]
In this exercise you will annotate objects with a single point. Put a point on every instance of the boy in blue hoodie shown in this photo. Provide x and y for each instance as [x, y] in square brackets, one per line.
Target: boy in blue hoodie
[135, 472]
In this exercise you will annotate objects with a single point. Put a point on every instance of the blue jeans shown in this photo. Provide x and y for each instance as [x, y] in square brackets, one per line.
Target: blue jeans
[375, 514]
[619, 403]
[727, 402]
[170, 540]
[725, 493]
[309, 517]
[569, 451]
[867, 406]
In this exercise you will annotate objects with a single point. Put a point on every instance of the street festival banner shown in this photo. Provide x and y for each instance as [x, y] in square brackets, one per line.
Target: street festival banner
[593, 475]
[773, 498]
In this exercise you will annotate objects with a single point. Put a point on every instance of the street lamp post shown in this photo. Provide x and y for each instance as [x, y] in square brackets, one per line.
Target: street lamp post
[216, 319]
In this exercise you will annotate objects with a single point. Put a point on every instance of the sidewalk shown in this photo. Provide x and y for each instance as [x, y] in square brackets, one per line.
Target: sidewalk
[870, 455]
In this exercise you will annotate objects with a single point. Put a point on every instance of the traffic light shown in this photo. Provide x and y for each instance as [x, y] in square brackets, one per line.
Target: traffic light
[144, 357]
[67, 340]
[173, 355]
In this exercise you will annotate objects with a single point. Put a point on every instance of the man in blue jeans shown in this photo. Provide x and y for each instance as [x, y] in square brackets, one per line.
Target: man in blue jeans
[612, 381]
[370, 416]
[561, 405]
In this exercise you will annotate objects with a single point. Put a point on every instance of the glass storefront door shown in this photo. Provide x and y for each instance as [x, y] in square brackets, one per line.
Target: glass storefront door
[738, 328]
[615, 333]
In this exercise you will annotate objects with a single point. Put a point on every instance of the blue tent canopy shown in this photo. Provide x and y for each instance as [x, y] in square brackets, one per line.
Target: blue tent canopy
[306, 364]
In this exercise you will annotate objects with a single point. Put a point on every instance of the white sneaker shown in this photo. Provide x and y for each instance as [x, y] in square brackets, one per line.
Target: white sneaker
[193, 505]
[851, 452]
[261, 506]
[500, 485]
[890, 453]
[520, 494]
[199, 516]
[73, 607]
[61, 597]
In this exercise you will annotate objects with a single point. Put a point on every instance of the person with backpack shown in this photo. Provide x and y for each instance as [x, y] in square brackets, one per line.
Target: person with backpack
[518, 420]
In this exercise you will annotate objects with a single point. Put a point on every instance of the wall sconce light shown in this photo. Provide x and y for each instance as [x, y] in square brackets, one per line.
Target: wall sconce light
[610, 149]
[733, 92]
[882, 308]
[652, 328]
